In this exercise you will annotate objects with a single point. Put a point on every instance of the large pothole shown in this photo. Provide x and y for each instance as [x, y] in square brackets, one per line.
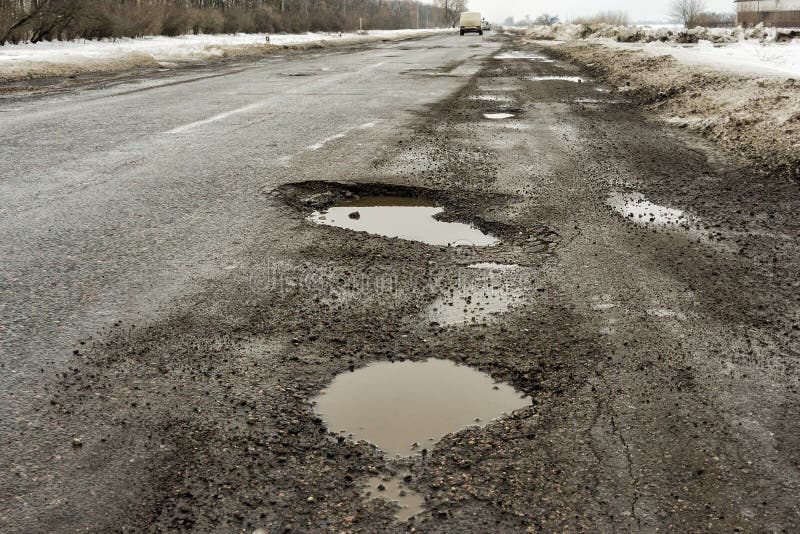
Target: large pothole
[405, 408]
[413, 214]
[489, 291]
[641, 212]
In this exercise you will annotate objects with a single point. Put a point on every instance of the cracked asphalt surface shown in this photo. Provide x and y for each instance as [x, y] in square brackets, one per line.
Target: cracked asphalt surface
[168, 314]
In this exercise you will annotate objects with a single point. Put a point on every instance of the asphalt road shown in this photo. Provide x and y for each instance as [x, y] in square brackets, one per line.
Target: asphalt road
[120, 199]
[168, 315]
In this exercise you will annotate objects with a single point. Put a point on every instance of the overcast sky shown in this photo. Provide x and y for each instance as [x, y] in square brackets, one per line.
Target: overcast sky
[498, 10]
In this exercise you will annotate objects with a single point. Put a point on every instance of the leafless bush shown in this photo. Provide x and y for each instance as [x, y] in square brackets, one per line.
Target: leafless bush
[545, 19]
[614, 18]
[687, 11]
[716, 20]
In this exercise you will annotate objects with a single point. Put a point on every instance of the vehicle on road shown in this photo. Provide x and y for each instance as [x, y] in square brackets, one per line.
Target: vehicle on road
[471, 22]
[485, 26]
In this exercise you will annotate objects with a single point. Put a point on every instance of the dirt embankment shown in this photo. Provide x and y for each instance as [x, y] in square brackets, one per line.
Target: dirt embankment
[757, 118]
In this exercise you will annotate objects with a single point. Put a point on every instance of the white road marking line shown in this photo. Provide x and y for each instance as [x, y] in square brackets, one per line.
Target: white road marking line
[317, 146]
[321, 144]
[215, 118]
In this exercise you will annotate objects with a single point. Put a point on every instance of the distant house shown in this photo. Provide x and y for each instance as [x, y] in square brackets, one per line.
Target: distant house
[781, 13]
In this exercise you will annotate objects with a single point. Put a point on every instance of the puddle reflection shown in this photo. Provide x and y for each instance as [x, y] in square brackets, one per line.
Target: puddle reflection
[404, 218]
[405, 407]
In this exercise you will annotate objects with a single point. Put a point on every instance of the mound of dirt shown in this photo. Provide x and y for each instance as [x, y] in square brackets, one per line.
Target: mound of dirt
[757, 118]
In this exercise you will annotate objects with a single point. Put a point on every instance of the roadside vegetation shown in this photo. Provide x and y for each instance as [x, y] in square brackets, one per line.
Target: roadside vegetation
[44, 20]
[615, 18]
[690, 13]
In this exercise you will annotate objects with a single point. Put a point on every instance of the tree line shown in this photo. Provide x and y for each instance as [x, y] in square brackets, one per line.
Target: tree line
[39, 20]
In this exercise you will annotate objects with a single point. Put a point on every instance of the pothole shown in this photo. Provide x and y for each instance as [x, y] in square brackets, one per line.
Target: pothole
[405, 408]
[573, 79]
[491, 98]
[516, 54]
[502, 113]
[665, 313]
[491, 291]
[498, 116]
[411, 219]
[490, 266]
[637, 209]
[428, 72]
[393, 488]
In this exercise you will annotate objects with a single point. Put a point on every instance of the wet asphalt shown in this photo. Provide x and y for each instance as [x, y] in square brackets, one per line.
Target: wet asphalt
[169, 314]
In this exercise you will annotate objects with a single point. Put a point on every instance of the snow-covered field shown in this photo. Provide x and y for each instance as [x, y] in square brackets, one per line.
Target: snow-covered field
[65, 56]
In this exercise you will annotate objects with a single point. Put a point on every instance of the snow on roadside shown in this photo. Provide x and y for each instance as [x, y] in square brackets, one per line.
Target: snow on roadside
[24, 59]
[744, 57]
[758, 51]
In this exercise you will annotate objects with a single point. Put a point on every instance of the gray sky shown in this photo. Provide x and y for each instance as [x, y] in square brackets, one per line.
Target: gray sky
[498, 10]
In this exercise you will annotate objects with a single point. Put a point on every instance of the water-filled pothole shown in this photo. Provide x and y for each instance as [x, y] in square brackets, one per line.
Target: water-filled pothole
[403, 408]
[494, 289]
[411, 219]
[491, 98]
[637, 209]
[574, 79]
[516, 54]
[394, 489]
[498, 116]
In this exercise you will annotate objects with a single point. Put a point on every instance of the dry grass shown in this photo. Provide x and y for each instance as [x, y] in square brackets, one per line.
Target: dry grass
[51, 70]
[613, 18]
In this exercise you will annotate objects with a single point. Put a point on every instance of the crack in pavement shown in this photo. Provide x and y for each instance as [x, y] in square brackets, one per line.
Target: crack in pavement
[629, 460]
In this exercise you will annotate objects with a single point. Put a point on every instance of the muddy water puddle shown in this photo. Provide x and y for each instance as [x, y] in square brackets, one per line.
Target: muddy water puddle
[498, 116]
[493, 292]
[410, 219]
[405, 407]
[491, 98]
[491, 266]
[637, 209]
[573, 79]
[516, 54]
[393, 489]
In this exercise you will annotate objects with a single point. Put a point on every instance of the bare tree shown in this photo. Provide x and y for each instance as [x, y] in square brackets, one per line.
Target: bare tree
[545, 19]
[687, 11]
[452, 10]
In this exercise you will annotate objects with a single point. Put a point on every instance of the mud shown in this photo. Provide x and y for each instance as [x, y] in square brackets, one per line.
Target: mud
[393, 489]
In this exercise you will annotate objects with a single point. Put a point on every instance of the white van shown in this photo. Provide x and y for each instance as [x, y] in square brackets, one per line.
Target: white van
[471, 23]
